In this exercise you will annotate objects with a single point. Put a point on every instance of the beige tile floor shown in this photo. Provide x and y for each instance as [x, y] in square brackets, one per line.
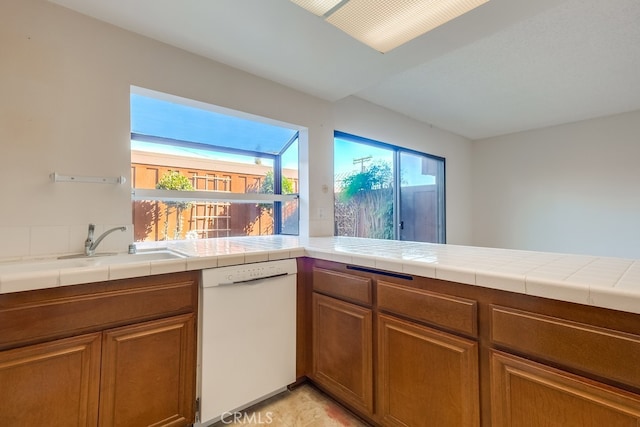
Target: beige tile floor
[304, 406]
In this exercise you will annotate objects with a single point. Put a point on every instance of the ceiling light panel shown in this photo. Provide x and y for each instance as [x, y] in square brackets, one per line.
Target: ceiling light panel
[318, 7]
[387, 24]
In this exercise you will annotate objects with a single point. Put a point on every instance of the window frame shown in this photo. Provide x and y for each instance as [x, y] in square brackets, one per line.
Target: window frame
[397, 150]
[209, 196]
[216, 196]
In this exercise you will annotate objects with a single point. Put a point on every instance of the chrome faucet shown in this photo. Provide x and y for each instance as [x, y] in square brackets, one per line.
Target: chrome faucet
[90, 245]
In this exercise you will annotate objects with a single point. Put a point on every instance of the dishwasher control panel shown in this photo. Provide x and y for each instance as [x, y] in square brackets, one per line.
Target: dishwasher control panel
[247, 272]
[254, 272]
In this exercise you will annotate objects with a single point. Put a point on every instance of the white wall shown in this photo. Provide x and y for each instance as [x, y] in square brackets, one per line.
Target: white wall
[572, 188]
[65, 81]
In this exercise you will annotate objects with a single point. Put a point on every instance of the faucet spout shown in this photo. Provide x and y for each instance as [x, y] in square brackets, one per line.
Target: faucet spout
[90, 245]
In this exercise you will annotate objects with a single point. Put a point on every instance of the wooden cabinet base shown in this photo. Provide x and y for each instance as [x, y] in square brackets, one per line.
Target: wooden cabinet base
[148, 374]
[342, 351]
[51, 384]
[120, 353]
[526, 393]
[426, 377]
[450, 354]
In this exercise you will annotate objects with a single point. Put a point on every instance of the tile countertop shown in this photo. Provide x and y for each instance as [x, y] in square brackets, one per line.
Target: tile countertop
[591, 280]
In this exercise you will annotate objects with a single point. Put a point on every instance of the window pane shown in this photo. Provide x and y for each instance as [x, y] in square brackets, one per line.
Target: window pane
[420, 210]
[156, 221]
[289, 160]
[200, 124]
[374, 199]
[363, 190]
[290, 217]
[242, 174]
[290, 214]
[192, 147]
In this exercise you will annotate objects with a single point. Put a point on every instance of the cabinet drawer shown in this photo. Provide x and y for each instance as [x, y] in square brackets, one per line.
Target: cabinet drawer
[602, 352]
[341, 285]
[449, 312]
[54, 313]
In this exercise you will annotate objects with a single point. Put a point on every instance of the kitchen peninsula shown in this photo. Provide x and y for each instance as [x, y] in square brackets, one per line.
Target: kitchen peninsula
[404, 332]
[605, 282]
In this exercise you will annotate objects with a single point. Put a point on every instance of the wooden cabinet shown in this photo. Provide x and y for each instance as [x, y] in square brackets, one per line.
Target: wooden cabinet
[51, 384]
[342, 337]
[119, 353]
[418, 376]
[342, 350]
[575, 345]
[529, 394]
[426, 377]
[147, 373]
[450, 354]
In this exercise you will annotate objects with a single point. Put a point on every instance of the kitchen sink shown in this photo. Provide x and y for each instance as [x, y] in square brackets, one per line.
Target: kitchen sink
[145, 256]
[32, 266]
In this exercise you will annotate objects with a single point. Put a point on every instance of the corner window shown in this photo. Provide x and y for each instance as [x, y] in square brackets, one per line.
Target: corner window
[387, 192]
[199, 171]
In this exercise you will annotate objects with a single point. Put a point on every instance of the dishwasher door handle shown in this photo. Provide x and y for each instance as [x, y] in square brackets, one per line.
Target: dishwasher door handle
[253, 281]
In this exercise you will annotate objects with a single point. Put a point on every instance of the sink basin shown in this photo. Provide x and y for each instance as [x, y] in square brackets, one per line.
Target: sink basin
[156, 255]
[36, 266]
[79, 261]
[139, 257]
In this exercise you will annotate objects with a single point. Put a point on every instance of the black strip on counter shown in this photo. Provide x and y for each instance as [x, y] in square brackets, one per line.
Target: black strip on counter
[383, 273]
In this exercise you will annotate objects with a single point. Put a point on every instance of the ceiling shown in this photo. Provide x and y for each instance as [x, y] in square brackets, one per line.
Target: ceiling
[507, 66]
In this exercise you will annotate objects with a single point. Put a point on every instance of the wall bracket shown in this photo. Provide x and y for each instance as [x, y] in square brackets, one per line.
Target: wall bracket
[56, 177]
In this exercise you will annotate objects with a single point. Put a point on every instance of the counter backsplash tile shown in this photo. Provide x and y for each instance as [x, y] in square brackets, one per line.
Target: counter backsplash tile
[14, 242]
[42, 240]
[49, 240]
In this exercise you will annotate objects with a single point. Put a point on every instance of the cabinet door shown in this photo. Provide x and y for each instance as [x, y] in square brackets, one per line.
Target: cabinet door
[148, 374]
[342, 350]
[426, 377]
[529, 394]
[51, 384]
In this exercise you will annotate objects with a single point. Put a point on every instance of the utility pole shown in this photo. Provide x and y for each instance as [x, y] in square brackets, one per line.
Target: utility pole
[362, 161]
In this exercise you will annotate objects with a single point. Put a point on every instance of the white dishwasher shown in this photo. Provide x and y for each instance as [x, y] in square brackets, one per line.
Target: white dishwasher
[247, 336]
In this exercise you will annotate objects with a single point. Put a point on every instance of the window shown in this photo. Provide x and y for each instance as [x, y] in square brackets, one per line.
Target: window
[198, 171]
[387, 192]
